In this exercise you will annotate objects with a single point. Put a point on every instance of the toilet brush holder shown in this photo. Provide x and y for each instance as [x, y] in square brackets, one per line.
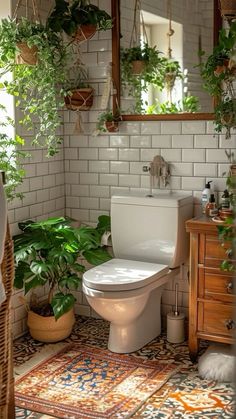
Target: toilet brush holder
[175, 323]
[175, 327]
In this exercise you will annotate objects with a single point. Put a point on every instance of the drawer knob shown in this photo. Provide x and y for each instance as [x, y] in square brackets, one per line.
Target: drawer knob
[230, 324]
[229, 287]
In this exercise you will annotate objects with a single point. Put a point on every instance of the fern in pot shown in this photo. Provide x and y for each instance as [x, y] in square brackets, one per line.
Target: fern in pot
[36, 86]
[47, 255]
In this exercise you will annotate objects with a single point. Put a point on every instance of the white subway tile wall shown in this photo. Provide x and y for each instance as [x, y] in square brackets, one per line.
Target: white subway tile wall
[80, 180]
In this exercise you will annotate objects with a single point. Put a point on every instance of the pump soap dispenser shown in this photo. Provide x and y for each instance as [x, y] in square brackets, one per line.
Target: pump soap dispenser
[206, 193]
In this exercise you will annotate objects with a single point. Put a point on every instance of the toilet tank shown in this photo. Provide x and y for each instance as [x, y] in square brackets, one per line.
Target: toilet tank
[151, 229]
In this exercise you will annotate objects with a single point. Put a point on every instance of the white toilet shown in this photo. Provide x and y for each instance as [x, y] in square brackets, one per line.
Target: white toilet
[149, 243]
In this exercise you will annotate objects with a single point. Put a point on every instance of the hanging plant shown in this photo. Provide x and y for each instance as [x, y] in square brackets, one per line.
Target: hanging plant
[171, 73]
[36, 87]
[218, 73]
[11, 157]
[79, 95]
[150, 71]
[109, 121]
[80, 20]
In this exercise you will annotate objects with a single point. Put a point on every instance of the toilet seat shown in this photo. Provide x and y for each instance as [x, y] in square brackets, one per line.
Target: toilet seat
[123, 274]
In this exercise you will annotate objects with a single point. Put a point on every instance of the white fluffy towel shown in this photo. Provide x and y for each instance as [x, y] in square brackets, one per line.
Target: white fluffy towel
[3, 229]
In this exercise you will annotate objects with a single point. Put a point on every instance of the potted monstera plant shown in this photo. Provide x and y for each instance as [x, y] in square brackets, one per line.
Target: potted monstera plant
[36, 84]
[80, 19]
[47, 255]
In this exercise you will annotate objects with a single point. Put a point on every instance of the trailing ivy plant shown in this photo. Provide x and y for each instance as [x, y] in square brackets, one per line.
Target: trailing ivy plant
[227, 231]
[11, 158]
[37, 88]
[218, 73]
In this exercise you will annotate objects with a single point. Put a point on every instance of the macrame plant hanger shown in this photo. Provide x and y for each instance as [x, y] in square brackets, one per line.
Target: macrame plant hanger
[27, 55]
[169, 34]
[36, 16]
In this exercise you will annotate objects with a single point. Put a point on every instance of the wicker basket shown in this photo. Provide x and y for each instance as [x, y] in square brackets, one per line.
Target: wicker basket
[228, 8]
[27, 55]
[7, 409]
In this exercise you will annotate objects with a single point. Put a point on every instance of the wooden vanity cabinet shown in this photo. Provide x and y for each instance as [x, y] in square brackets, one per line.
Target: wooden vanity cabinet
[212, 295]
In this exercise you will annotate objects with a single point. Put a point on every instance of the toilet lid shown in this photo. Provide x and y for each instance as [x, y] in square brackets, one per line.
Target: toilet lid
[122, 274]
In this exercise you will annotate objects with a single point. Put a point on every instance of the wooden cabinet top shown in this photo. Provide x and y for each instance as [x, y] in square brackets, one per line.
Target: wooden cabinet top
[202, 224]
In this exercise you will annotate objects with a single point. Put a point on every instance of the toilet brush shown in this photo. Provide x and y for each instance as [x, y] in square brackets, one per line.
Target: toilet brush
[175, 323]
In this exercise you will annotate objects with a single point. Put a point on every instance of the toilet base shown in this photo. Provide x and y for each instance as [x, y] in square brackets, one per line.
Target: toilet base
[131, 337]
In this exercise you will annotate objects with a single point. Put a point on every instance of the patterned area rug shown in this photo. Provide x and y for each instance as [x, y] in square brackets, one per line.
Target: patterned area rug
[85, 382]
[184, 396]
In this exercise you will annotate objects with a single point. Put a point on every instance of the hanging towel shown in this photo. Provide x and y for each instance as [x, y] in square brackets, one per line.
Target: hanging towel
[3, 229]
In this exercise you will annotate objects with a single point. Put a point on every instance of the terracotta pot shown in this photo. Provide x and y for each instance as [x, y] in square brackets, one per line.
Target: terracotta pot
[138, 67]
[228, 8]
[47, 329]
[84, 32]
[112, 126]
[27, 55]
[81, 99]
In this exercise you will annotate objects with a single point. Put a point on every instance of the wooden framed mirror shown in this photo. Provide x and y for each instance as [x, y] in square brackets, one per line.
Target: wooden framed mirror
[116, 47]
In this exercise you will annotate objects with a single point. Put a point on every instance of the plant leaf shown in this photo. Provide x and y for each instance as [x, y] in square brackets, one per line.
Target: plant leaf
[62, 303]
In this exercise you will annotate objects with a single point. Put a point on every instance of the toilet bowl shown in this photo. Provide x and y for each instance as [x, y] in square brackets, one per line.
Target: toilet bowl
[130, 303]
[127, 290]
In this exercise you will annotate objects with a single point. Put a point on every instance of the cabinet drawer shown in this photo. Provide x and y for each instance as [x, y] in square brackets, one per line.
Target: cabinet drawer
[216, 318]
[214, 251]
[216, 285]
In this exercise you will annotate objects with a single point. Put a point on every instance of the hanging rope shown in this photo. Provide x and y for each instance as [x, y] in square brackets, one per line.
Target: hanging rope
[34, 7]
[134, 40]
[171, 31]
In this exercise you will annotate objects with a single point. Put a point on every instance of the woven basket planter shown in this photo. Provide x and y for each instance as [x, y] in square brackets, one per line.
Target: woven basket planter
[81, 99]
[228, 8]
[84, 32]
[138, 67]
[27, 55]
[47, 329]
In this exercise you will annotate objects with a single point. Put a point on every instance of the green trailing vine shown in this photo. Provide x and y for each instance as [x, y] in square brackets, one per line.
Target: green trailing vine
[11, 158]
[37, 88]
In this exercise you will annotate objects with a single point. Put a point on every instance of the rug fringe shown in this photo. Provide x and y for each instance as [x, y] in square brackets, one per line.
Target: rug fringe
[39, 356]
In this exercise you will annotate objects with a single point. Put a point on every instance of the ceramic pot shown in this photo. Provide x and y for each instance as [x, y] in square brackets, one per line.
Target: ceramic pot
[111, 126]
[47, 329]
[27, 55]
[81, 99]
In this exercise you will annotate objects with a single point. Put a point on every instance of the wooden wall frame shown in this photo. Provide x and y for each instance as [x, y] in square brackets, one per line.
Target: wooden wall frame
[115, 8]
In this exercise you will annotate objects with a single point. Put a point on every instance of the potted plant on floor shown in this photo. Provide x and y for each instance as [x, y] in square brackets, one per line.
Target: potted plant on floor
[36, 85]
[46, 255]
[80, 19]
[109, 121]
